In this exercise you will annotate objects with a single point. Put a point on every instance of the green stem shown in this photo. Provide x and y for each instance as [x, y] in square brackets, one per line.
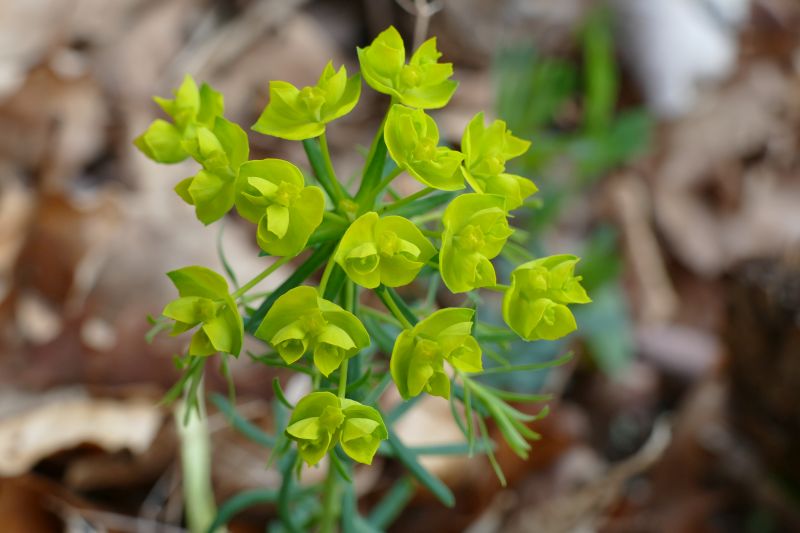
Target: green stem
[326, 274]
[430, 233]
[196, 463]
[407, 200]
[498, 288]
[256, 280]
[323, 143]
[334, 217]
[330, 489]
[392, 307]
[388, 179]
[343, 378]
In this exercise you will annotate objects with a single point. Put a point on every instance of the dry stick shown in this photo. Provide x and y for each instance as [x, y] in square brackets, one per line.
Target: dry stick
[422, 11]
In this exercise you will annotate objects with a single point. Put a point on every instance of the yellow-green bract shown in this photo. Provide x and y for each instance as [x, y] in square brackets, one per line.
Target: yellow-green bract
[204, 301]
[192, 106]
[486, 151]
[412, 139]
[274, 196]
[422, 83]
[297, 114]
[389, 250]
[321, 420]
[301, 320]
[535, 306]
[221, 151]
[475, 231]
[419, 353]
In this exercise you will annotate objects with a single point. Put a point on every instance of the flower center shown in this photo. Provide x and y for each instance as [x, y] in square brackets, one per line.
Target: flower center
[425, 150]
[471, 238]
[286, 193]
[426, 349]
[312, 98]
[389, 243]
[411, 76]
[494, 164]
[312, 322]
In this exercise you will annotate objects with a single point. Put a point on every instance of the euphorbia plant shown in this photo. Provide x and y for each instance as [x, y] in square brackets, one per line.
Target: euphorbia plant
[370, 239]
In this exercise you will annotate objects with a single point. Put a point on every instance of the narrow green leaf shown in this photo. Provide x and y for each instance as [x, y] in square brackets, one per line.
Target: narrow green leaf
[490, 453]
[372, 397]
[428, 480]
[240, 502]
[276, 387]
[529, 367]
[241, 425]
[392, 504]
[223, 259]
[421, 206]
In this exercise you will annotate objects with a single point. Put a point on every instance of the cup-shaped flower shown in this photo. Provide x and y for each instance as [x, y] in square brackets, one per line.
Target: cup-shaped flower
[362, 431]
[321, 420]
[423, 82]
[204, 301]
[315, 425]
[272, 194]
[486, 151]
[475, 231]
[221, 151]
[418, 356]
[412, 139]
[389, 250]
[535, 307]
[192, 106]
[298, 114]
[301, 321]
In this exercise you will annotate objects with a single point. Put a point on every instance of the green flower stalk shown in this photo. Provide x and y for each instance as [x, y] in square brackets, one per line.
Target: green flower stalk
[423, 82]
[535, 307]
[301, 321]
[389, 250]
[297, 114]
[486, 151]
[191, 107]
[412, 139]
[475, 231]
[418, 356]
[274, 196]
[321, 420]
[204, 301]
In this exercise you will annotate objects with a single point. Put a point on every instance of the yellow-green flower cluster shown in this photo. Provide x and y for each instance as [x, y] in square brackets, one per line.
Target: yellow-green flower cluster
[364, 240]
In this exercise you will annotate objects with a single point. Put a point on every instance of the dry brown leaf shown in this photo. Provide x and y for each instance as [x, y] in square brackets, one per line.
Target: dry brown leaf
[710, 149]
[63, 421]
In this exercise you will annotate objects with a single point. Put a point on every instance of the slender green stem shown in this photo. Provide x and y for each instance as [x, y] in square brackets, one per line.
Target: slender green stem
[430, 233]
[334, 217]
[323, 143]
[196, 463]
[392, 307]
[343, 378]
[330, 490]
[256, 280]
[407, 200]
[388, 179]
[498, 288]
[383, 317]
[326, 274]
